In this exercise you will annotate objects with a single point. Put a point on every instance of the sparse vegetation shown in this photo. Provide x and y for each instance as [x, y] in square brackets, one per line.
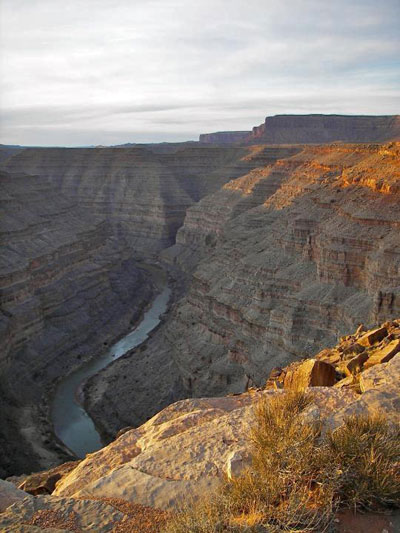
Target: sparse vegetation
[300, 474]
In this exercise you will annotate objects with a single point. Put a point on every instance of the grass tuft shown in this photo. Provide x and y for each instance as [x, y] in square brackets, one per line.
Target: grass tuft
[300, 476]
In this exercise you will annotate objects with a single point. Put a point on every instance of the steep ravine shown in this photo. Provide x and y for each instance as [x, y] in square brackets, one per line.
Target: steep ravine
[66, 290]
[75, 223]
[278, 249]
[282, 261]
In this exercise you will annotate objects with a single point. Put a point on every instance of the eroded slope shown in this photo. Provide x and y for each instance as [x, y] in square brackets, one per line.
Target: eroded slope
[294, 254]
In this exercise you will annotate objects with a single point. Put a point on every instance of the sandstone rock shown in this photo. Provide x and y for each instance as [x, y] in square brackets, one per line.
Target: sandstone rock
[384, 377]
[310, 373]
[330, 356]
[380, 387]
[10, 494]
[184, 450]
[373, 336]
[383, 355]
[45, 482]
[236, 464]
[345, 382]
[46, 513]
[354, 365]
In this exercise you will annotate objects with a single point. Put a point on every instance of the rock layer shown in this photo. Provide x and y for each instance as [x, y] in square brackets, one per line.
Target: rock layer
[326, 128]
[65, 289]
[281, 261]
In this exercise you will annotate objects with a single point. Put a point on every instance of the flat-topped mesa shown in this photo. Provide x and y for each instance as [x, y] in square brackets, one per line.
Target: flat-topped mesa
[224, 137]
[281, 129]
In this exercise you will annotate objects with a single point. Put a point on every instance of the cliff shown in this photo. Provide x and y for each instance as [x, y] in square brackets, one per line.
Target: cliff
[72, 233]
[280, 262]
[293, 129]
[65, 289]
[142, 193]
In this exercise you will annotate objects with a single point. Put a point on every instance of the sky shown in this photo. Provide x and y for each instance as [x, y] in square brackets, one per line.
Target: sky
[89, 72]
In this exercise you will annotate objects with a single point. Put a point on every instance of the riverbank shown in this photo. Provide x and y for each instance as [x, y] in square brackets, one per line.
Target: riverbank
[72, 424]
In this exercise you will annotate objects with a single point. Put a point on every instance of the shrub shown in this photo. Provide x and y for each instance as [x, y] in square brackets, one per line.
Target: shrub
[300, 476]
[367, 452]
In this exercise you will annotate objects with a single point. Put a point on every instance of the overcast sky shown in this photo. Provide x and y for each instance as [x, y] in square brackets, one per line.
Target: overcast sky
[82, 72]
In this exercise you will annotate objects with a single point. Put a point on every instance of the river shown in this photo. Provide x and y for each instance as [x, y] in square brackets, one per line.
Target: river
[72, 424]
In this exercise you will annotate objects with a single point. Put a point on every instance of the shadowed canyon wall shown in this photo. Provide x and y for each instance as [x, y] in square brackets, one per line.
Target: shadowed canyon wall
[75, 223]
[281, 261]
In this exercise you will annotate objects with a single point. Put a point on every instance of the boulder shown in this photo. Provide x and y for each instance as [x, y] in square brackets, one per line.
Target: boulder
[384, 377]
[384, 354]
[45, 482]
[354, 365]
[10, 494]
[310, 373]
[373, 336]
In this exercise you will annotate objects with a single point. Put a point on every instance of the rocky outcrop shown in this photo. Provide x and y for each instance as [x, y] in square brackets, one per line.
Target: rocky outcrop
[181, 452]
[184, 451]
[224, 137]
[10, 495]
[186, 448]
[292, 129]
[283, 261]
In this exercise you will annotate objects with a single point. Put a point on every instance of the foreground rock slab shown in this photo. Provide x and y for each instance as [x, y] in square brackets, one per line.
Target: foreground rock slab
[10, 494]
[60, 514]
[183, 451]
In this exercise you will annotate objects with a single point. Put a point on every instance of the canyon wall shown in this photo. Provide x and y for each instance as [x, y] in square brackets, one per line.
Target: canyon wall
[280, 248]
[66, 287]
[141, 193]
[282, 261]
[75, 224]
[325, 129]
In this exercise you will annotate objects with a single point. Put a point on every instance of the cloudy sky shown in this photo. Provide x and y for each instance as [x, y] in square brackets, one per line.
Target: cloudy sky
[82, 72]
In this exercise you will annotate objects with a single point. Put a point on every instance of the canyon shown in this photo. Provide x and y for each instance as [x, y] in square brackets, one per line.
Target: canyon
[273, 252]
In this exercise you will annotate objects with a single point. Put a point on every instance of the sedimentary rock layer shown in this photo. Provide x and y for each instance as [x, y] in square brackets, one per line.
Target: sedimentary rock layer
[66, 288]
[142, 194]
[326, 128]
[283, 260]
[72, 232]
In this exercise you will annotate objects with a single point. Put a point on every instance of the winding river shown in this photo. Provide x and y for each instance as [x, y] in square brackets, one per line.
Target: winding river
[72, 425]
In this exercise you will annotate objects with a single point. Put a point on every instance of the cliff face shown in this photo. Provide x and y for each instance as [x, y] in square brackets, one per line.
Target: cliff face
[283, 260]
[65, 289]
[326, 128]
[142, 194]
[70, 281]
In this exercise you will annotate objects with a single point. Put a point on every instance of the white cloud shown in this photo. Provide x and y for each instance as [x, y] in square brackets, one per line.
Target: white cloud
[132, 70]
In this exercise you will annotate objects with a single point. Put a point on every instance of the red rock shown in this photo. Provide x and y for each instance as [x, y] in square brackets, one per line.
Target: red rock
[355, 364]
[373, 336]
[384, 355]
[310, 373]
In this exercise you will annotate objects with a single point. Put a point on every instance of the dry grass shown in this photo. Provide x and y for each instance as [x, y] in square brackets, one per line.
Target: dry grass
[299, 477]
